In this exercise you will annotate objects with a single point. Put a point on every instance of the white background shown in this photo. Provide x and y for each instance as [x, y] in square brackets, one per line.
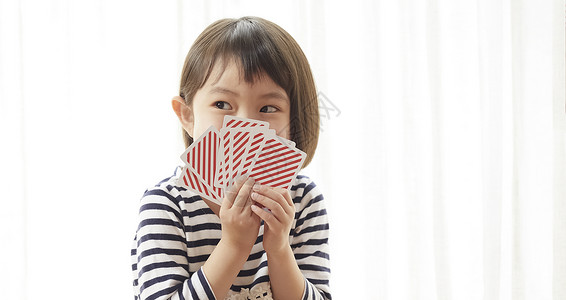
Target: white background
[444, 171]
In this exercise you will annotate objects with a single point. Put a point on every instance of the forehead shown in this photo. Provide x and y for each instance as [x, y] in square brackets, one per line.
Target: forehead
[231, 72]
[229, 79]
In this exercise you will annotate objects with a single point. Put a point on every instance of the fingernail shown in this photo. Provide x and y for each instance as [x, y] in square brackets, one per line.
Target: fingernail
[256, 187]
[254, 195]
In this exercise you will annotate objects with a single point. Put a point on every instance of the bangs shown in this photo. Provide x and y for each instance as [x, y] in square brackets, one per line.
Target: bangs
[251, 47]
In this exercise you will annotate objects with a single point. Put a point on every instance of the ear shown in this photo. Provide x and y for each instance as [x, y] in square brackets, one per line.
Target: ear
[184, 113]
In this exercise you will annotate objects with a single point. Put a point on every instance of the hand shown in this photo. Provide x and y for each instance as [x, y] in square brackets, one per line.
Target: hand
[240, 226]
[277, 222]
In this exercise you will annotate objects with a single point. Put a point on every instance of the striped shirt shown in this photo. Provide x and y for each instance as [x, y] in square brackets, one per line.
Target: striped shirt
[177, 232]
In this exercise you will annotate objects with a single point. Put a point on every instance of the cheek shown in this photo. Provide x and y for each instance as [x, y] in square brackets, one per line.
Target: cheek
[286, 132]
[204, 115]
[204, 120]
[283, 127]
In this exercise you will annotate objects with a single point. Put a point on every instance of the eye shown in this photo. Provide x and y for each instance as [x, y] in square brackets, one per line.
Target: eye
[268, 109]
[222, 105]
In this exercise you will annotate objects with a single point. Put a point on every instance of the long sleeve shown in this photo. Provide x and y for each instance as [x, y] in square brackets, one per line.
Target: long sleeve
[309, 240]
[160, 261]
[177, 232]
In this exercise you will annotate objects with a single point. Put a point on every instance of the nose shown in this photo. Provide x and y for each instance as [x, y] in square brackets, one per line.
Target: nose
[245, 111]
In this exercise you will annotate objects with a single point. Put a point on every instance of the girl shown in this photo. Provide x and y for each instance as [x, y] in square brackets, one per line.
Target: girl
[187, 247]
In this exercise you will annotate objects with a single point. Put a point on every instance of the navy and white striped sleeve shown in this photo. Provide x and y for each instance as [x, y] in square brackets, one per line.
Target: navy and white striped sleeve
[309, 239]
[160, 264]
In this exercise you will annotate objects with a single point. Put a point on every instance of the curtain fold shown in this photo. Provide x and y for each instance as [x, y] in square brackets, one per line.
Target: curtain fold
[13, 201]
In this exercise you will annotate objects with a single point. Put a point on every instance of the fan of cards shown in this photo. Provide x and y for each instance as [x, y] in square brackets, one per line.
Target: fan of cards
[242, 147]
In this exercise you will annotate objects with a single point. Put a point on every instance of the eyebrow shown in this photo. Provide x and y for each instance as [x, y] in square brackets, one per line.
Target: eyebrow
[222, 90]
[276, 96]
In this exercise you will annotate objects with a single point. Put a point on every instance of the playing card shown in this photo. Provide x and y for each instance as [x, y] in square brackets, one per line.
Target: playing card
[241, 147]
[277, 164]
[193, 182]
[257, 141]
[238, 142]
[224, 156]
[236, 122]
[200, 157]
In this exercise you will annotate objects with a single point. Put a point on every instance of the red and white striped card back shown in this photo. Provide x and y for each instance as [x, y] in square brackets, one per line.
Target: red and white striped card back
[242, 147]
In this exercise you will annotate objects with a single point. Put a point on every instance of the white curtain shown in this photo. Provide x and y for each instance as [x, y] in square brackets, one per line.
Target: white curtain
[442, 153]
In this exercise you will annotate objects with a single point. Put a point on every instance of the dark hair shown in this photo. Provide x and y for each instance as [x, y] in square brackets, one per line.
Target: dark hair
[260, 47]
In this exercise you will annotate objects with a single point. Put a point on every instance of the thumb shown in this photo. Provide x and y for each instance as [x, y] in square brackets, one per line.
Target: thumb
[232, 192]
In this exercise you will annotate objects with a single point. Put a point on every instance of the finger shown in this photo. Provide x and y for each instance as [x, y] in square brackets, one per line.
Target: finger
[274, 195]
[232, 192]
[244, 194]
[265, 216]
[286, 195]
[274, 206]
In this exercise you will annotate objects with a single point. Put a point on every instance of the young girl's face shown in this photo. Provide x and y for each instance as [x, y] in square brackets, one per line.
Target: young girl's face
[227, 93]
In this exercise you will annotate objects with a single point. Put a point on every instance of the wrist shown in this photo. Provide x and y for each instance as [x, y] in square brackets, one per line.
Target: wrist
[236, 247]
[282, 252]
